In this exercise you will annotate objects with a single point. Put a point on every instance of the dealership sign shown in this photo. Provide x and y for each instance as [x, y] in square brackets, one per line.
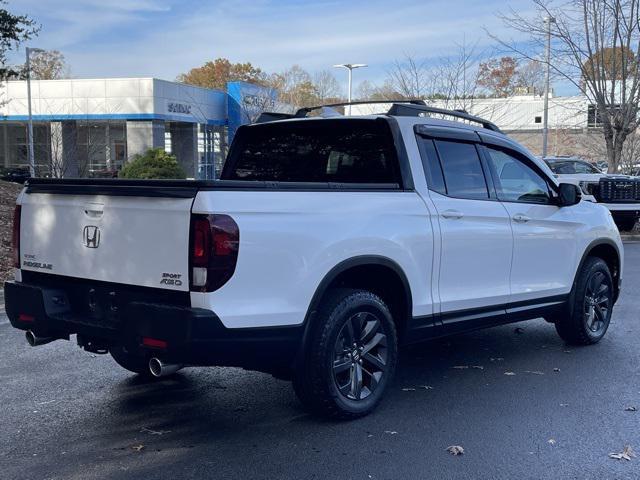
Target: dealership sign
[179, 108]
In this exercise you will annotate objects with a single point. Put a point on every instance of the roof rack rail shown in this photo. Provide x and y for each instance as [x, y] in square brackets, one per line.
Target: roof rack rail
[399, 108]
[303, 112]
[405, 110]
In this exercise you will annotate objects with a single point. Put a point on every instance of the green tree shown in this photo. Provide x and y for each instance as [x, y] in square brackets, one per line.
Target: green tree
[14, 29]
[155, 163]
[217, 73]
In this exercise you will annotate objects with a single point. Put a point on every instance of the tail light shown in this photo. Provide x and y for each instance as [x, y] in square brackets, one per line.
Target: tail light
[215, 240]
[15, 236]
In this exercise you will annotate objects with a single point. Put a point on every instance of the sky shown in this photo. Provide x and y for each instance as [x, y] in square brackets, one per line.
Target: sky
[163, 38]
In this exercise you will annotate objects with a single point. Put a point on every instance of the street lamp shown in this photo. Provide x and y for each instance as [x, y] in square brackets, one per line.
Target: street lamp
[32, 164]
[545, 123]
[350, 67]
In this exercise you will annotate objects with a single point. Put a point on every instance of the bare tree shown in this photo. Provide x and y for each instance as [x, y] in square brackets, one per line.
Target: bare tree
[530, 77]
[369, 91]
[456, 78]
[411, 77]
[327, 87]
[295, 87]
[591, 42]
[48, 65]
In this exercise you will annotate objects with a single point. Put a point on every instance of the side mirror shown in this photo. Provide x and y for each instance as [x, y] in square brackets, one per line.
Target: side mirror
[569, 194]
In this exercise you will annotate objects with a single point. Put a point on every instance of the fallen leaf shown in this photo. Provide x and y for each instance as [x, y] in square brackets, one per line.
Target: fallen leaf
[631, 409]
[461, 367]
[477, 367]
[455, 450]
[426, 387]
[154, 432]
[564, 404]
[534, 372]
[519, 330]
[509, 373]
[137, 448]
[408, 389]
[556, 369]
[551, 441]
[567, 351]
[391, 432]
[626, 454]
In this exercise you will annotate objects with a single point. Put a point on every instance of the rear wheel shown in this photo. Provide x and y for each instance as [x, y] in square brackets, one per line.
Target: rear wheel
[589, 316]
[351, 357]
[127, 360]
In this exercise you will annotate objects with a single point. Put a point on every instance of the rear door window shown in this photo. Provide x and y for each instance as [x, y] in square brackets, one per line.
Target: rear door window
[463, 174]
[340, 151]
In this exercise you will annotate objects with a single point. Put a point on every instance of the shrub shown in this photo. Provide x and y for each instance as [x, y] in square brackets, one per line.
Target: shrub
[155, 163]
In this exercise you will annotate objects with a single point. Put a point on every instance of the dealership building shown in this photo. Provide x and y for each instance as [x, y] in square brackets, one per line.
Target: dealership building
[91, 127]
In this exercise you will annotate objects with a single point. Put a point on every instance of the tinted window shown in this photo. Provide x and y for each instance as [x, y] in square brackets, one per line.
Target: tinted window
[462, 170]
[345, 151]
[431, 165]
[572, 167]
[515, 181]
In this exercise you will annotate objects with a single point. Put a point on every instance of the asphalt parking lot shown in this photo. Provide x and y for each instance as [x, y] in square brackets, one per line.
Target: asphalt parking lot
[65, 413]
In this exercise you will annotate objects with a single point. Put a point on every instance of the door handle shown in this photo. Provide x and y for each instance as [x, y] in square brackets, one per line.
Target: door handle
[452, 214]
[94, 210]
[521, 218]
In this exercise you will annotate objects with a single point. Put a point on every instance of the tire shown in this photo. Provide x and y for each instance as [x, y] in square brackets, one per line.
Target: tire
[625, 224]
[128, 361]
[335, 379]
[589, 314]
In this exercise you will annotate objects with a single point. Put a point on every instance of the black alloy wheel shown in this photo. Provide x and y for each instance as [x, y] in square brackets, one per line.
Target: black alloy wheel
[360, 356]
[597, 302]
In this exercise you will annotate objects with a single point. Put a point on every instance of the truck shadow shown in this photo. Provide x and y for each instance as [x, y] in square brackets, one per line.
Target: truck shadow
[219, 412]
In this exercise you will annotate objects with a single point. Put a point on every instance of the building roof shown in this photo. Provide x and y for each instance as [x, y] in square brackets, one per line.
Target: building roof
[113, 99]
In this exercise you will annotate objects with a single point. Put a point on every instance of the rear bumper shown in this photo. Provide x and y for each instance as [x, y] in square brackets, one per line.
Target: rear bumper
[193, 336]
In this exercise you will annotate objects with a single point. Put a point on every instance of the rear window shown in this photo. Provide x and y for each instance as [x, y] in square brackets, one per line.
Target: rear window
[340, 151]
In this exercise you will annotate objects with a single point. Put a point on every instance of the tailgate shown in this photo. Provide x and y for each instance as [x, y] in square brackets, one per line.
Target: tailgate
[134, 240]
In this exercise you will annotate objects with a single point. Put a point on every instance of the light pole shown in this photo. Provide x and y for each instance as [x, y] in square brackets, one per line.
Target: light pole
[32, 164]
[350, 67]
[545, 123]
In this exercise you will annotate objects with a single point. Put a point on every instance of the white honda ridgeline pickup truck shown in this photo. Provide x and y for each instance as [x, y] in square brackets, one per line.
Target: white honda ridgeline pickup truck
[327, 244]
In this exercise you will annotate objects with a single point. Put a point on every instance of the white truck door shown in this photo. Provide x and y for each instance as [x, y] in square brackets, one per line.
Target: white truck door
[476, 237]
[545, 238]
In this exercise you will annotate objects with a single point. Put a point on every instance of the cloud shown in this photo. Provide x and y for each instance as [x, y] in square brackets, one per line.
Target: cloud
[166, 37]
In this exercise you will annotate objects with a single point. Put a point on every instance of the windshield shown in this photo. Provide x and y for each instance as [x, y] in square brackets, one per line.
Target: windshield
[572, 167]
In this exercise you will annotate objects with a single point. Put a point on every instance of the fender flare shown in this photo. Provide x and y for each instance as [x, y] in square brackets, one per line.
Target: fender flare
[360, 260]
[585, 254]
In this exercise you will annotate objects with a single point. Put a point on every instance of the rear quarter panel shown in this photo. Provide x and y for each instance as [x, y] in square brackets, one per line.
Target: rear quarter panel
[289, 241]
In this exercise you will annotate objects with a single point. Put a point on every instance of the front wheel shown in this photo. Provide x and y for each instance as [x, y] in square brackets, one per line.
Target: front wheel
[350, 357]
[590, 314]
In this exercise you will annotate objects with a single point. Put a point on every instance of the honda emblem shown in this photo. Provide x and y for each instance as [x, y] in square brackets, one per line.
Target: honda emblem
[91, 236]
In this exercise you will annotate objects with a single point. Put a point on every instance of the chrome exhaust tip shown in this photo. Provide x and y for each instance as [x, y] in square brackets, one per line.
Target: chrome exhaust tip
[160, 369]
[35, 341]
